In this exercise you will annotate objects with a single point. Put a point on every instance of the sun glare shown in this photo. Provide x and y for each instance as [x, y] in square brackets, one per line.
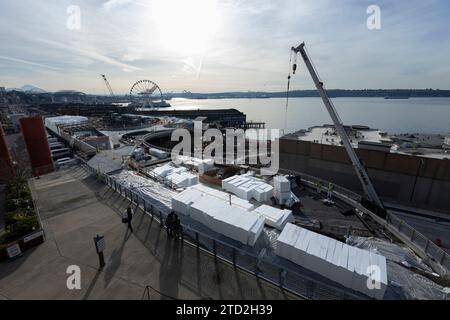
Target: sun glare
[184, 26]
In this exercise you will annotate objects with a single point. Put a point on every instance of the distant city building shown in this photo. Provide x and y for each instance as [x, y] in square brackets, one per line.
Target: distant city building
[83, 136]
[15, 120]
[447, 142]
[360, 136]
[53, 123]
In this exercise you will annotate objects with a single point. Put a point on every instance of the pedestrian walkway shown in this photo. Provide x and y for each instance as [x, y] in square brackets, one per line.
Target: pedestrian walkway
[74, 207]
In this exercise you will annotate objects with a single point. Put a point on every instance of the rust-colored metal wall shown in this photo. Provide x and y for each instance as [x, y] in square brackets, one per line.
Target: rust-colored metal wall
[6, 166]
[35, 136]
[417, 181]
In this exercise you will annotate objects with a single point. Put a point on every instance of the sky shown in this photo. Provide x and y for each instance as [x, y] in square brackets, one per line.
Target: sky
[222, 45]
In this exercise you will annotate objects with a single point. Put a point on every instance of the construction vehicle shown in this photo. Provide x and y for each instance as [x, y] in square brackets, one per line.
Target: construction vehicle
[371, 200]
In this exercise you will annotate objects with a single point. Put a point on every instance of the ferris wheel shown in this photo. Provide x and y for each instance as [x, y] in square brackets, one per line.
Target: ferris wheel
[146, 93]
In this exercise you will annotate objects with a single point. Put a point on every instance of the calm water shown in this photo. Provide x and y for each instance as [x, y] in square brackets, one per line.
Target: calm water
[422, 115]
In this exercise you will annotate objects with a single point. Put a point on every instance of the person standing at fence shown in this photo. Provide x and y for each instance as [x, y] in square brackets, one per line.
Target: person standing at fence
[319, 187]
[176, 226]
[169, 223]
[129, 218]
[330, 190]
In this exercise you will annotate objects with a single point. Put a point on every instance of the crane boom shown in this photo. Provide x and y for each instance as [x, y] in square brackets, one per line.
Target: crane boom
[361, 172]
[108, 85]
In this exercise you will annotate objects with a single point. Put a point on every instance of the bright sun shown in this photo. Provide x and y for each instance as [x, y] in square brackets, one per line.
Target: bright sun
[184, 26]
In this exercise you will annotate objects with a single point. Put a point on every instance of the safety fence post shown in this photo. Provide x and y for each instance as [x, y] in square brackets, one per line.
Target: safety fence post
[234, 256]
[197, 240]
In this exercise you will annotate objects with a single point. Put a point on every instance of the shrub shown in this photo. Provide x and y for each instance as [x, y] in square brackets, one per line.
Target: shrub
[9, 218]
[24, 224]
[20, 217]
[21, 226]
[11, 205]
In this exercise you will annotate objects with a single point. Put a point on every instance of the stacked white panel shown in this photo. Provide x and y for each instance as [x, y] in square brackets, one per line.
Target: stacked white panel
[216, 212]
[347, 265]
[247, 187]
[236, 201]
[274, 217]
[281, 184]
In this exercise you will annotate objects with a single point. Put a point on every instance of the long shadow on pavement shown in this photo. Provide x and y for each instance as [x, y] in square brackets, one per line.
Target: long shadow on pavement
[115, 259]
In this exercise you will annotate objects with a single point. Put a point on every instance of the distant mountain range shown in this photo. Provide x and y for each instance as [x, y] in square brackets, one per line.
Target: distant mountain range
[334, 93]
[28, 88]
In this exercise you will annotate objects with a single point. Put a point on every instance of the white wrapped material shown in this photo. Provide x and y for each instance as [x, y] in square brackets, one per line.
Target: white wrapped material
[53, 122]
[216, 212]
[205, 165]
[281, 184]
[182, 201]
[275, 217]
[177, 176]
[200, 165]
[158, 153]
[287, 241]
[247, 187]
[263, 193]
[359, 282]
[347, 265]
[182, 178]
[243, 204]
[255, 231]
[231, 184]
[245, 190]
[205, 209]
[163, 171]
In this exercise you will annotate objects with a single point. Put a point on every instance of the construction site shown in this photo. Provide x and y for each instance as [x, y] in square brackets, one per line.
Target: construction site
[345, 216]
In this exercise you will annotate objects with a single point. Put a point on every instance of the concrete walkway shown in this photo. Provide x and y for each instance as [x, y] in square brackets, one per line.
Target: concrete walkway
[74, 208]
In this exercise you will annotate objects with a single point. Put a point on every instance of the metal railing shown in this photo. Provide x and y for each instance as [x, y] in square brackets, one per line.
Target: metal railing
[439, 259]
[277, 271]
[433, 251]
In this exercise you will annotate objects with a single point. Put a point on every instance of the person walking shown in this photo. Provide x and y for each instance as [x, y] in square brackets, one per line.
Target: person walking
[129, 218]
[169, 223]
[176, 226]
